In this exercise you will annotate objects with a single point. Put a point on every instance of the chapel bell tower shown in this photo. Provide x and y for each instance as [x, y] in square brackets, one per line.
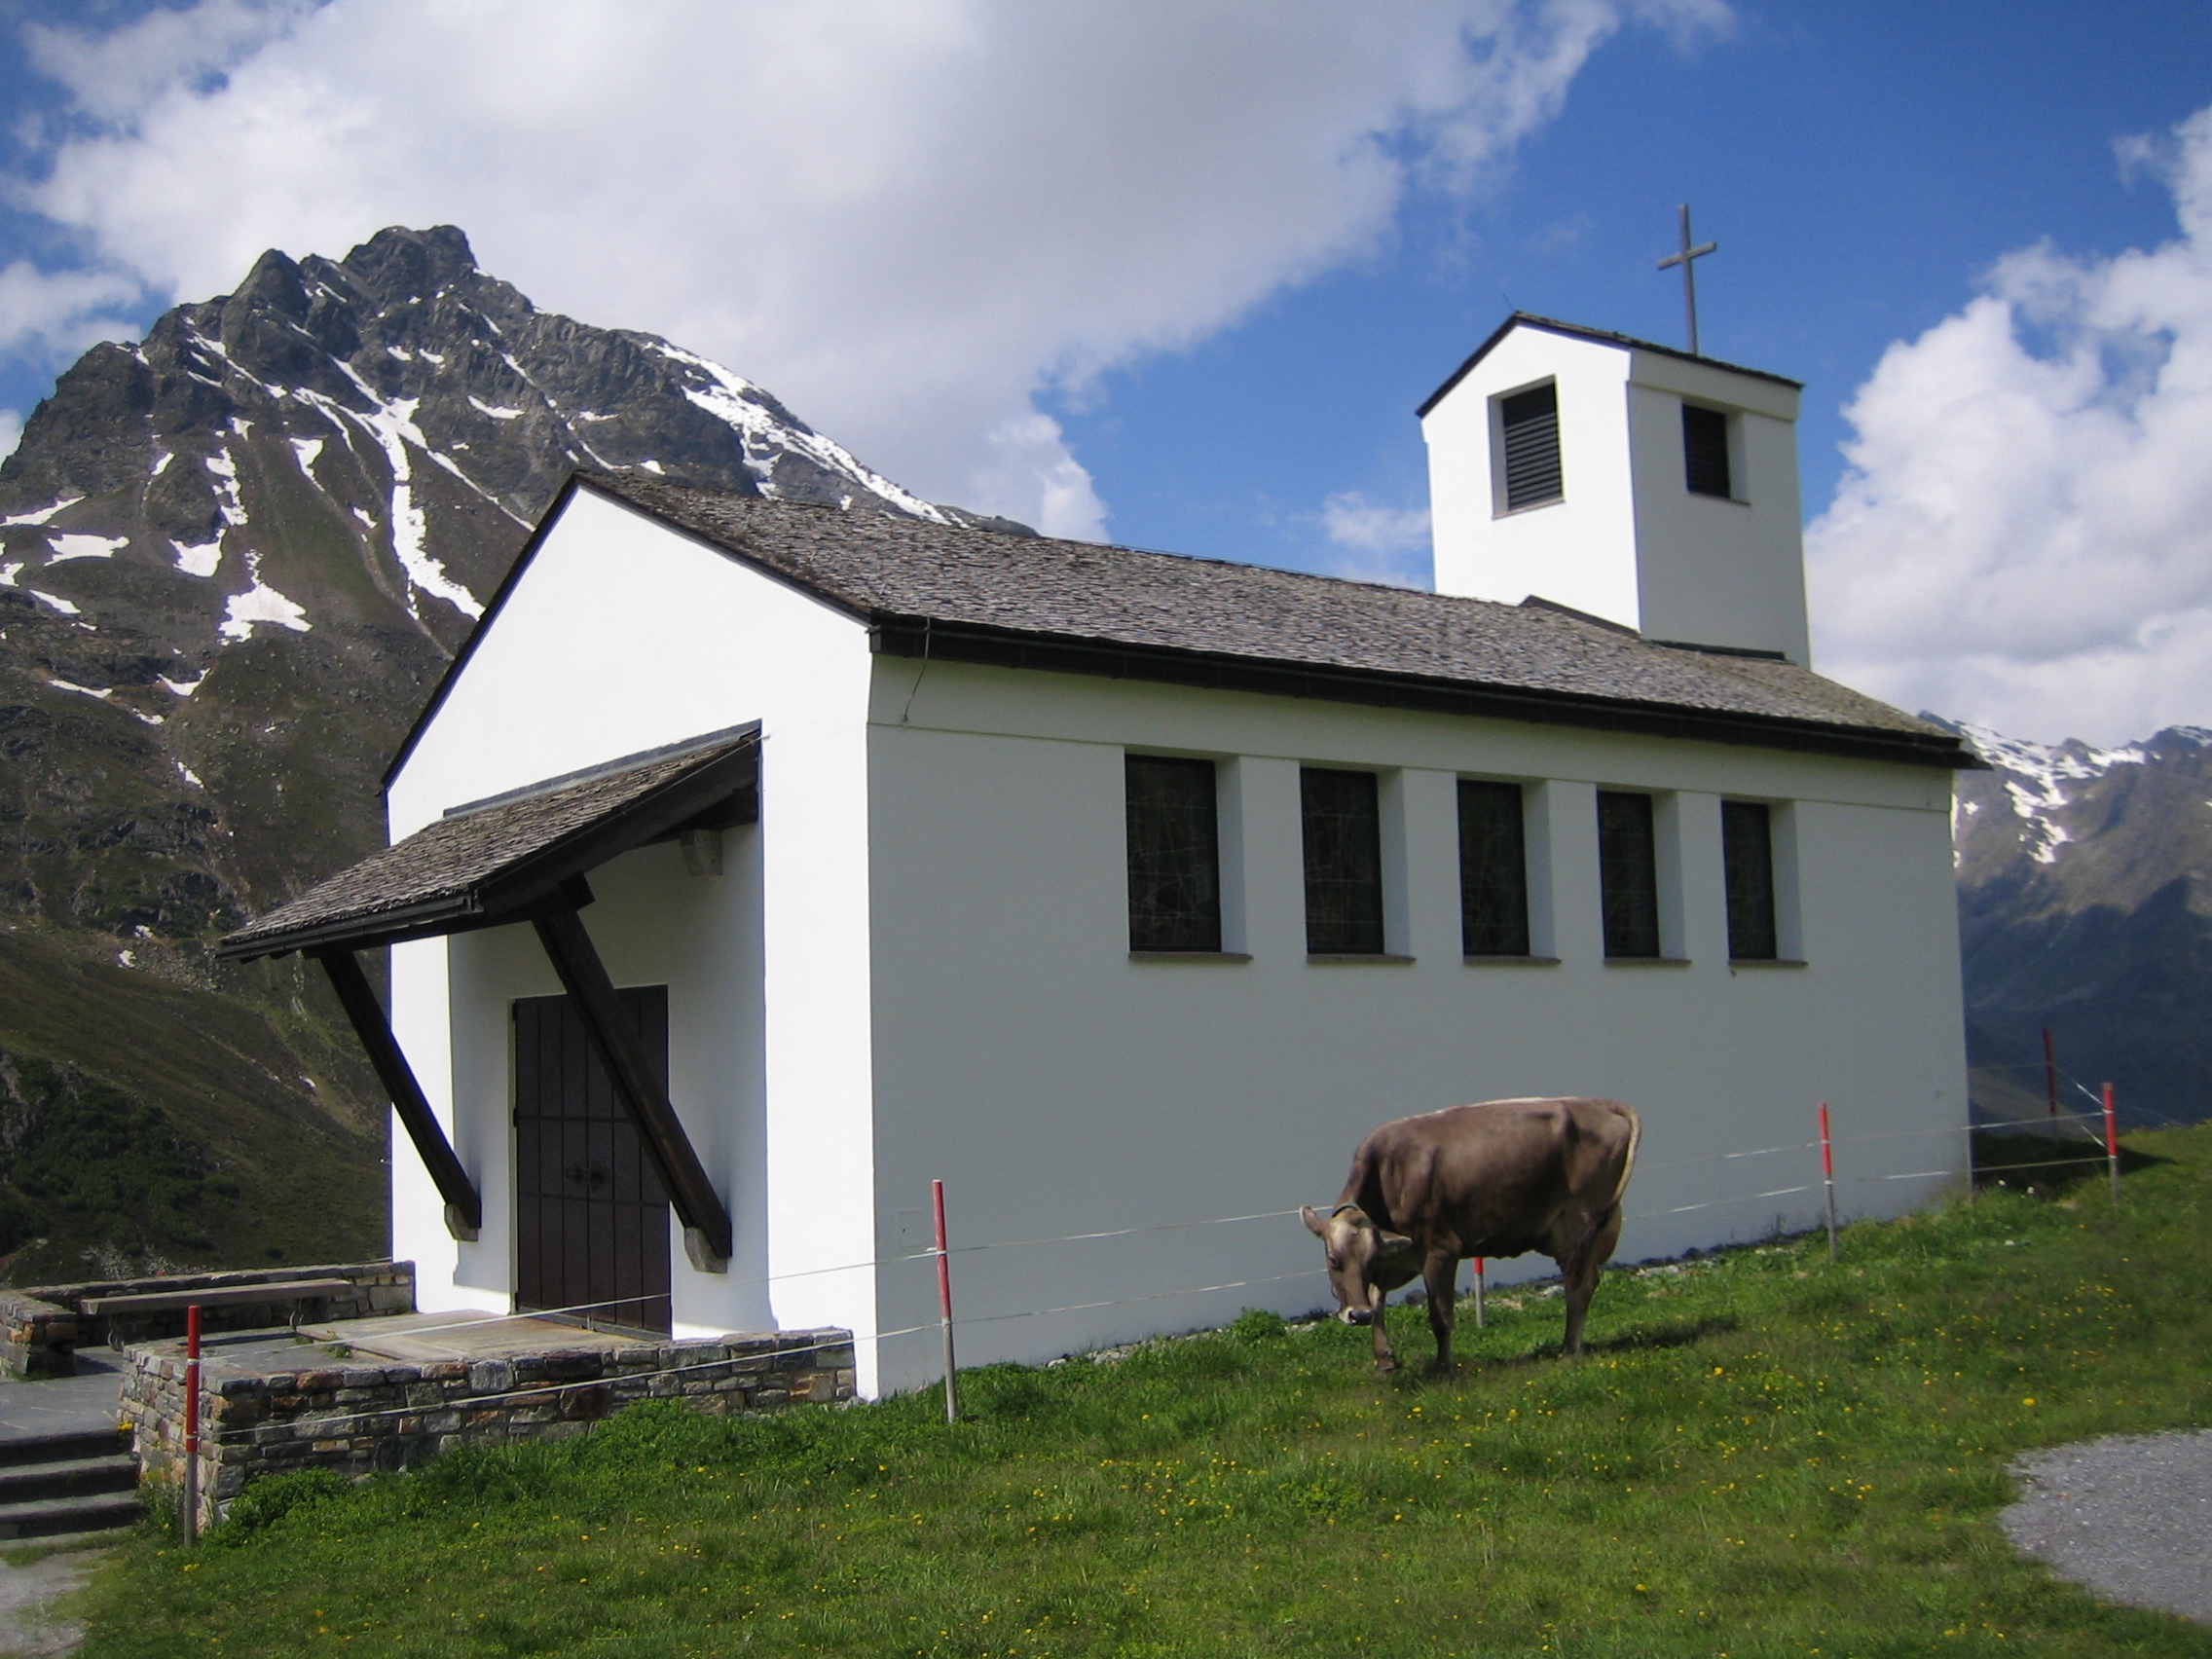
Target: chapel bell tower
[1638, 483]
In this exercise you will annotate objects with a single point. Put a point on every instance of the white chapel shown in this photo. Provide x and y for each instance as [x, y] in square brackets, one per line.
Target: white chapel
[756, 863]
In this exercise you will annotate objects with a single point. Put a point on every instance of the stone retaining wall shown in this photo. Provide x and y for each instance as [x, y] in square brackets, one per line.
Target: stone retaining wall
[362, 1420]
[44, 1327]
[37, 1337]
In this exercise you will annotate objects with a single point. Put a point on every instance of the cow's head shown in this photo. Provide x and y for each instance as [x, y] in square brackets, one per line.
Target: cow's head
[1365, 1263]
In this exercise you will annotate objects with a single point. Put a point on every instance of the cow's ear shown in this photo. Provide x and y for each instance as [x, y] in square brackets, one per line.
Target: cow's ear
[1392, 1242]
[1313, 1219]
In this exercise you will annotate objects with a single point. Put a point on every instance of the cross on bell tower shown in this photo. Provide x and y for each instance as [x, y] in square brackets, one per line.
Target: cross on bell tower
[1689, 275]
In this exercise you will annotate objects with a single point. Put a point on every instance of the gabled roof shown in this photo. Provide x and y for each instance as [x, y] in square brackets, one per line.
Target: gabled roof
[493, 860]
[1604, 336]
[956, 593]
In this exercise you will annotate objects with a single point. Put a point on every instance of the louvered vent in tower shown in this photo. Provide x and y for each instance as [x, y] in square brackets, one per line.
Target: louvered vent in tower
[1529, 421]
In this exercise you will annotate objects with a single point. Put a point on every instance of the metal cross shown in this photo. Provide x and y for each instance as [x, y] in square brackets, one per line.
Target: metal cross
[1689, 275]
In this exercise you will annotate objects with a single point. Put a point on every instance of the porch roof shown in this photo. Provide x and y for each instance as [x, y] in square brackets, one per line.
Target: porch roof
[503, 859]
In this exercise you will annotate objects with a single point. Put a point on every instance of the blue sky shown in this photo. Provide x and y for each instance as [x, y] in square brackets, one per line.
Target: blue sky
[1180, 273]
[1861, 166]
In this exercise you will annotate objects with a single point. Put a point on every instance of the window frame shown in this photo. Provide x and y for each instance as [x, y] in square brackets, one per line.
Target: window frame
[1204, 932]
[1616, 880]
[1503, 502]
[1518, 931]
[1748, 885]
[1365, 934]
[1730, 423]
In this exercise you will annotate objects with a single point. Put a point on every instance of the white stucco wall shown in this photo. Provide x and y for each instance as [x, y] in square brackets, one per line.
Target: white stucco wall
[620, 637]
[917, 965]
[1628, 541]
[1578, 551]
[1060, 1086]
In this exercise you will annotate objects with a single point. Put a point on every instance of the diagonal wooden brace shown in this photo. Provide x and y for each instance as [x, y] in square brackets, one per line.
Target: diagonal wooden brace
[464, 1209]
[706, 1222]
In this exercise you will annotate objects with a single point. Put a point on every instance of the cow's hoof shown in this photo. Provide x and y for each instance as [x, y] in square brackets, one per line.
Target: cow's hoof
[1384, 1367]
[1441, 1368]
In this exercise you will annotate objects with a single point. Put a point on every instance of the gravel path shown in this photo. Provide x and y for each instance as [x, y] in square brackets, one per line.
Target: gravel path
[2128, 1516]
[27, 1625]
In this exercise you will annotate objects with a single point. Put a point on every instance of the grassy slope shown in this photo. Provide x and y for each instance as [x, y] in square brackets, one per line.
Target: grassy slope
[1764, 1454]
[168, 1127]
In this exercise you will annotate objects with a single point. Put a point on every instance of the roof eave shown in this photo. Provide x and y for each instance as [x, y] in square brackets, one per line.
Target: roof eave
[1603, 337]
[909, 636]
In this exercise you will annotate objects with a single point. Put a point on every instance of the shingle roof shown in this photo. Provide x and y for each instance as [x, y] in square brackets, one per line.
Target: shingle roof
[496, 858]
[952, 591]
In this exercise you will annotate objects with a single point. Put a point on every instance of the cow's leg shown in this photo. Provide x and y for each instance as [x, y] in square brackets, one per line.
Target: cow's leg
[1582, 1271]
[1379, 1304]
[1440, 1275]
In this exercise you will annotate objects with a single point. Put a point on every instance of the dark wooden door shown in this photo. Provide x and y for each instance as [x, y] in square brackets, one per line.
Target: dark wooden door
[590, 1216]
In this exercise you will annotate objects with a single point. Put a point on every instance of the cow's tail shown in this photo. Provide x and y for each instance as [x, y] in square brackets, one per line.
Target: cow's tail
[1628, 1163]
[1602, 1217]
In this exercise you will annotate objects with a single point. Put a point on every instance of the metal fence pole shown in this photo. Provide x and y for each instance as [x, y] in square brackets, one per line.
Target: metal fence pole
[945, 1303]
[192, 1424]
[1827, 1175]
[2112, 1146]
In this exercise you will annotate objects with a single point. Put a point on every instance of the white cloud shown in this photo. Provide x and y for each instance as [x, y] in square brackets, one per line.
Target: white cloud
[908, 217]
[1377, 543]
[44, 315]
[2024, 536]
[10, 431]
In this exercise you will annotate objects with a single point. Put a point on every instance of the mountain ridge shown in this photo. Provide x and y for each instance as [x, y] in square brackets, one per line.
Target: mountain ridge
[2084, 883]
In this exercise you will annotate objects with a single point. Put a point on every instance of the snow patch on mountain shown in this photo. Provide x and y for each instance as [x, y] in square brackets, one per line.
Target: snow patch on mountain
[2037, 775]
[67, 547]
[737, 403]
[228, 502]
[204, 560]
[260, 603]
[60, 604]
[392, 425]
[43, 513]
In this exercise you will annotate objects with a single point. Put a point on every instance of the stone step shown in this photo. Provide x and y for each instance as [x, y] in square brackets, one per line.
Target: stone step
[68, 1477]
[53, 1517]
[17, 1449]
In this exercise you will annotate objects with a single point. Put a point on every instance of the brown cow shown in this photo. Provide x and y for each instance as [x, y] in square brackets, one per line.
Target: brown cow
[1498, 1179]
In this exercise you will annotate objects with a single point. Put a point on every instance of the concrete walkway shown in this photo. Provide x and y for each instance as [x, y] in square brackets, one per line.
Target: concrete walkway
[2129, 1517]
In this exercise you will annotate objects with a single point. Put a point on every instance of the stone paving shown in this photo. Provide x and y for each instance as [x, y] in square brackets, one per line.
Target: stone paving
[63, 1405]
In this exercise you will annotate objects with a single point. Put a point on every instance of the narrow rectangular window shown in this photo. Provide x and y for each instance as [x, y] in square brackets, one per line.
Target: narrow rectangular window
[1175, 854]
[1627, 875]
[1747, 854]
[1343, 828]
[1531, 430]
[1705, 452]
[1494, 871]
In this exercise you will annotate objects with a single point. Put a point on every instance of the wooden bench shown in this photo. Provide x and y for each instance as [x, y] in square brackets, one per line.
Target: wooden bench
[294, 1291]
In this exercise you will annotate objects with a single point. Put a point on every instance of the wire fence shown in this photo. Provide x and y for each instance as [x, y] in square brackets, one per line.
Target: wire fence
[703, 1361]
[925, 1255]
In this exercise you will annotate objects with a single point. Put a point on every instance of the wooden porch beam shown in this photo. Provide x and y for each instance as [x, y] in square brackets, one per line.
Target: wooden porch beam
[645, 1102]
[465, 1209]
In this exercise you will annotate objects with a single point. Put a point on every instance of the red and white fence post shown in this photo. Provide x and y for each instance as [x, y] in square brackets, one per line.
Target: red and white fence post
[192, 1424]
[2112, 1145]
[1478, 1293]
[1827, 1175]
[945, 1302]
